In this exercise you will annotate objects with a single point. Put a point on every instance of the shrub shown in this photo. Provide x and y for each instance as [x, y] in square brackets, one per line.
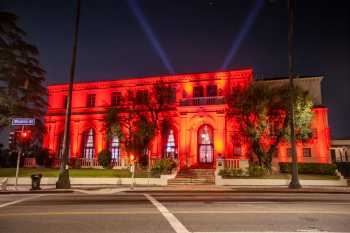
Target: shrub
[75, 163]
[104, 158]
[143, 161]
[256, 171]
[8, 158]
[227, 173]
[310, 168]
[163, 167]
[42, 156]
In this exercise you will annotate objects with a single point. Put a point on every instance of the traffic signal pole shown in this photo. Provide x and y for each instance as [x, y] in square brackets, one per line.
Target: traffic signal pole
[19, 153]
[17, 167]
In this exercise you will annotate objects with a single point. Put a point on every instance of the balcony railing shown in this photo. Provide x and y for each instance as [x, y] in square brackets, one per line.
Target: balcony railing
[197, 101]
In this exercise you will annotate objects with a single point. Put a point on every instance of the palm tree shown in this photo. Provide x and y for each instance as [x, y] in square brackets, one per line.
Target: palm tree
[63, 178]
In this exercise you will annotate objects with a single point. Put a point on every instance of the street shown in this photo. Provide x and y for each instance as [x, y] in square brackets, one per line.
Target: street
[152, 212]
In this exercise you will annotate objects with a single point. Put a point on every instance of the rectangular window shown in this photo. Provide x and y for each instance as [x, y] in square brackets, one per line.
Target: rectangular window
[198, 91]
[116, 98]
[212, 90]
[307, 152]
[91, 100]
[141, 96]
[333, 156]
[237, 151]
[172, 96]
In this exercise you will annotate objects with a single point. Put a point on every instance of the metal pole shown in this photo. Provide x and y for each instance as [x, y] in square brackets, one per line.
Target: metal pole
[294, 183]
[17, 167]
[132, 174]
[19, 152]
[63, 179]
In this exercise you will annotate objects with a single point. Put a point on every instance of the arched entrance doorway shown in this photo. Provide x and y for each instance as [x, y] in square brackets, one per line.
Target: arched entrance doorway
[205, 145]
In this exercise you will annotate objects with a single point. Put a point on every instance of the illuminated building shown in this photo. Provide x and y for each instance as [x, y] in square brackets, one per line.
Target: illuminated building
[200, 131]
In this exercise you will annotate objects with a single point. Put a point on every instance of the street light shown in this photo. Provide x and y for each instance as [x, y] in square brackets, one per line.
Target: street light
[132, 169]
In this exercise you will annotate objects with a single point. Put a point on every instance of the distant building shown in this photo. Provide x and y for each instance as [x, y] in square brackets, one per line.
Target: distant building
[201, 131]
[340, 150]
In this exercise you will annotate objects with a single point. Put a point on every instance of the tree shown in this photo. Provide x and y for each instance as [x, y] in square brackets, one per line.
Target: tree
[262, 115]
[22, 93]
[138, 117]
[113, 123]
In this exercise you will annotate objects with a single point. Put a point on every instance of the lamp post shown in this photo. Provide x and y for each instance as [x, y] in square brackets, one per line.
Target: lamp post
[294, 183]
[63, 181]
[132, 168]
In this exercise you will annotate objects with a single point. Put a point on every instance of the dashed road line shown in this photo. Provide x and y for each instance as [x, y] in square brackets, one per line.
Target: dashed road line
[173, 221]
[20, 200]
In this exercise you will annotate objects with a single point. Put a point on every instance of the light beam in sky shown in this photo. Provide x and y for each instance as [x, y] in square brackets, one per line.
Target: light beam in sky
[136, 10]
[249, 21]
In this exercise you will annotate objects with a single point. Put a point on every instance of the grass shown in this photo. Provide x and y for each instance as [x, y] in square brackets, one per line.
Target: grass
[83, 172]
[288, 176]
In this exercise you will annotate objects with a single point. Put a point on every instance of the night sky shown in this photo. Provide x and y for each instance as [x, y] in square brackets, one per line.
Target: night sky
[195, 36]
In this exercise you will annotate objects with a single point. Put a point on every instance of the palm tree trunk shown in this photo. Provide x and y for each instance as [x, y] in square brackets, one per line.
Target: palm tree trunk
[63, 178]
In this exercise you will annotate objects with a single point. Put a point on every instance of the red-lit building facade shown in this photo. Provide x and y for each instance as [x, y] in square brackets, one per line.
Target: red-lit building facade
[201, 131]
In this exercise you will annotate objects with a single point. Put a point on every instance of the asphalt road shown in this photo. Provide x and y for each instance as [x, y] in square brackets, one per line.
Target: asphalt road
[179, 212]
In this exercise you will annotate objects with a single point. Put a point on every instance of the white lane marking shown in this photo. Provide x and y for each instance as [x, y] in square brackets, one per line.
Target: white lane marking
[173, 221]
[20, 200]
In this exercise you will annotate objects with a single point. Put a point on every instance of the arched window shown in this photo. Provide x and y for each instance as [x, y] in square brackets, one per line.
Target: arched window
[205, 144]
[89, 144]
[170, 147]
[114, 147]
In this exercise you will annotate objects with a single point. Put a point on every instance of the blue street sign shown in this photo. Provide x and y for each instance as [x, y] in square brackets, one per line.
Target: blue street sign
[22, 121]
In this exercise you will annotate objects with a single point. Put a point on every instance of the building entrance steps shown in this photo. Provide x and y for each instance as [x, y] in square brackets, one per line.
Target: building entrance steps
[193, 176]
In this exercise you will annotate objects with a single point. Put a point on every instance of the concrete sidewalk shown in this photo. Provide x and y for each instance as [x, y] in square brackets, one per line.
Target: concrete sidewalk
[109, 189]
[243, 189]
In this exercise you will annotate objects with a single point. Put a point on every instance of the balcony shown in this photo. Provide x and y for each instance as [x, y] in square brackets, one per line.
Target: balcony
[198, 101]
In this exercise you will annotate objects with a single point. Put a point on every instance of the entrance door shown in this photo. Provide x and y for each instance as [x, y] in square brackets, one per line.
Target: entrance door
[205, 145]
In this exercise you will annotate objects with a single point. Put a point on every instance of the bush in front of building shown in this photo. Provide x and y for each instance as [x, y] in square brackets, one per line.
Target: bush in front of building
[256, 171]
[42, 157]
[74, 163]
[231, 173]
[164, 167]
[104, 158]
[310, 168]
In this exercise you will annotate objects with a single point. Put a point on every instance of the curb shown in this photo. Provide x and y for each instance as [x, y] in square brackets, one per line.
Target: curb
[241, 191]
[36, 191]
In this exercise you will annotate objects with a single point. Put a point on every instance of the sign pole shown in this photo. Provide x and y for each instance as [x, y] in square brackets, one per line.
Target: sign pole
[17, 168]
[132, 174]
[18, 161]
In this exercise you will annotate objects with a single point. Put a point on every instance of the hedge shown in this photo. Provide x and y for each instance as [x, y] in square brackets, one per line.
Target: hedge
[310, 168]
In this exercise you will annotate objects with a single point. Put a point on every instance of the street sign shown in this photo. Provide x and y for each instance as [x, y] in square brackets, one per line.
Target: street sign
[22, 121]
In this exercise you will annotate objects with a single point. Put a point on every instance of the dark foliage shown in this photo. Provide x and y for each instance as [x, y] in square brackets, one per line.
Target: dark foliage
[22, 90]
[310, 168]
[104, 157]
